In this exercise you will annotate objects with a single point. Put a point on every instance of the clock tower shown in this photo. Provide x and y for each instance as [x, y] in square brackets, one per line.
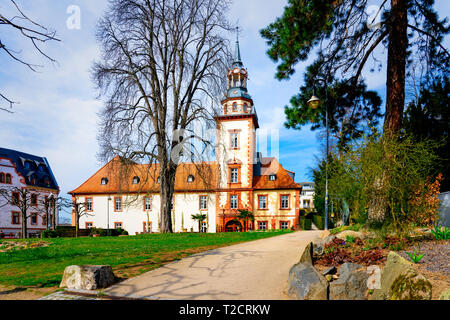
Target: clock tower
[236, 141]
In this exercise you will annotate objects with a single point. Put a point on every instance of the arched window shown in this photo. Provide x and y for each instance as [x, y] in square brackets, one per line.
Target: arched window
[8, 178]
[190, 178]
[136, 180]
[104, 181]
[245, 107]
[2, 177]
[235, 106]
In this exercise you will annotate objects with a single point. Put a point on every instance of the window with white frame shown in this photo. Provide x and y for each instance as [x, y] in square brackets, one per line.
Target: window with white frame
[118, 225]
[89, 225]
[234, 140]
[118, 204]
[234, 175]
[233, 201]
[88, 204]
[262, 225]
[262, 202]
[204, 227]
[284, 225]
[148, 203]
[203, 202]
[285, 202]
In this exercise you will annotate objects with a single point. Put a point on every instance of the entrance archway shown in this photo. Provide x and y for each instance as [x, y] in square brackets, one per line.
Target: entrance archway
[233, 226]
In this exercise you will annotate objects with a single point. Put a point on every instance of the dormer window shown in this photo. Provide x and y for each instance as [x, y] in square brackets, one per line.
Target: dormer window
[27, 165]
[8, 178]
[272, 177]
[136, 180]
[190, 178]
[104, 181]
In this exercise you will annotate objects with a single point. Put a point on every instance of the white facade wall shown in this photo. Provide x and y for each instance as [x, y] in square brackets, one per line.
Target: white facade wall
[6, 210]
[133, 216]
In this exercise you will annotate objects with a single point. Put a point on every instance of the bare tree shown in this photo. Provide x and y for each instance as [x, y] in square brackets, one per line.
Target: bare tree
[162, 69]
[23, 199]
[80, 209]
[36, 33]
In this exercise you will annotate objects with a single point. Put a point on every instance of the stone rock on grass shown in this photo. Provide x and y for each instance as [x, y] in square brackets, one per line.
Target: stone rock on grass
[400, 281]
[445, 295]
[351, 284]
[306, 283]
[87, 277]
[343, 235]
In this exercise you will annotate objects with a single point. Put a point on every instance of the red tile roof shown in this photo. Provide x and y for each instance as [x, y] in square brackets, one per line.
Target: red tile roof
[120, 177]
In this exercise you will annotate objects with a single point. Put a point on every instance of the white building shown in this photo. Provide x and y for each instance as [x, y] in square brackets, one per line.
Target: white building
[19, 171]
[307, 195]
[240, 178]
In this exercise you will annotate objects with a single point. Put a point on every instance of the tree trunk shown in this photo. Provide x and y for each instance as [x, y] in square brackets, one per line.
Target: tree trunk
[24, 225]
[396, 66]
[167, 181]
[395, 92]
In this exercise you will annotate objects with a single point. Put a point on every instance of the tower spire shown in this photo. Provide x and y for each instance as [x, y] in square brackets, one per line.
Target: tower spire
[237, 52]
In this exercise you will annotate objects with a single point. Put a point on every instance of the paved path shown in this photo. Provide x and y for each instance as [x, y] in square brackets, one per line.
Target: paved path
[256, 270]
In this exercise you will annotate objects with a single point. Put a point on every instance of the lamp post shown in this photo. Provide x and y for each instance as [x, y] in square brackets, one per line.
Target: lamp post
[314, 103]
[107, 223]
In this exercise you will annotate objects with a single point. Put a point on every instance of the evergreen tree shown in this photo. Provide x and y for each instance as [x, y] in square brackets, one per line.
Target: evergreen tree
[346, 36]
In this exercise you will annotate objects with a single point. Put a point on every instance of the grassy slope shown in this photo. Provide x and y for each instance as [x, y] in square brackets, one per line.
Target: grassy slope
[128, 256]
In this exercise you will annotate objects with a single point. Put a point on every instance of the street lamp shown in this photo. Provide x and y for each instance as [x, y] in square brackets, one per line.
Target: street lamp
[313, 103]
[107, 223]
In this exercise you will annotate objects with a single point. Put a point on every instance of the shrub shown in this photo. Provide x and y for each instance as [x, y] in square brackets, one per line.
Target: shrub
[319, 221]
[305, 224]
[49, 234]
[388, 175]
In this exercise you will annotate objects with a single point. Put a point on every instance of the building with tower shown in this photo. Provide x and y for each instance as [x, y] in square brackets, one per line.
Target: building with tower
[240, 178]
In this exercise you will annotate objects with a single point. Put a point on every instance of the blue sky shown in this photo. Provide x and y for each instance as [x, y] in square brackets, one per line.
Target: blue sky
[57, 115]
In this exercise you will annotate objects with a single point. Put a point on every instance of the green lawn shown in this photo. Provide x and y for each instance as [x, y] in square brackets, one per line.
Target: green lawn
[129, 256]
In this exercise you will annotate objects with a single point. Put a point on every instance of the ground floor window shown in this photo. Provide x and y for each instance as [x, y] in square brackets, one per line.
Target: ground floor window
[34, 219]
[147, 228]
[204, 227]
[117, 225]
[89, 225]
[284, 225]
[262, 225]
[15, 219]
[233, 201]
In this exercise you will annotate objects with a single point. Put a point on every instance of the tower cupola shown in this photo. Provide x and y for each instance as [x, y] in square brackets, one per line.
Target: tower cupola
[237, 100]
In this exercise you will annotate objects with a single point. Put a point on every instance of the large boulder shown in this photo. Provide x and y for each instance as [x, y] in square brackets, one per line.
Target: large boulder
[306, 283]
[400, 281]
[87, 277]
[351, 284]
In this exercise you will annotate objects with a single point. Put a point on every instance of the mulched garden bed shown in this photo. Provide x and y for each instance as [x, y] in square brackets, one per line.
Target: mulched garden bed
[339, 251]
